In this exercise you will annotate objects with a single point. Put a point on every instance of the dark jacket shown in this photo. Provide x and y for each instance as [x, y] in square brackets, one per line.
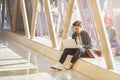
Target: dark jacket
[86, 40]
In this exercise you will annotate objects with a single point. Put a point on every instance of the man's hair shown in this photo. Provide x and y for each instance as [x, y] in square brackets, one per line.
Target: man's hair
[77, 23]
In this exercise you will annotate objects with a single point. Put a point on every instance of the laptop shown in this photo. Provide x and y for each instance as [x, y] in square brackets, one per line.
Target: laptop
[69, 43]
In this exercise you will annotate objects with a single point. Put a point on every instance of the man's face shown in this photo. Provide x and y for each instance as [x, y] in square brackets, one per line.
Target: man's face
[77, 29]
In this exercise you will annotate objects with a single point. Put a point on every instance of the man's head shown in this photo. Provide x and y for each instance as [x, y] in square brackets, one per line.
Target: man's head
[77, 26]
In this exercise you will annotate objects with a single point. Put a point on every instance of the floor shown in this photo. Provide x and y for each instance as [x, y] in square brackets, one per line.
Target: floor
[20, 63]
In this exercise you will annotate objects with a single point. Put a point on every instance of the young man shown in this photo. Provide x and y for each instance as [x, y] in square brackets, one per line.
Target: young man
[83, 41]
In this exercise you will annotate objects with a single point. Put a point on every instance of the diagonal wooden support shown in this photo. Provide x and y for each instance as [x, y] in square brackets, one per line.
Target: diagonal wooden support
[107, 53]
[25, 19]
[16, 6]
[9, 15]
[50, 23]
[68, 19]
[33, 22]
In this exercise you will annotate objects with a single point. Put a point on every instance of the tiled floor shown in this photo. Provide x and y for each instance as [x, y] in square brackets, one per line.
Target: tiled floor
[20, 63]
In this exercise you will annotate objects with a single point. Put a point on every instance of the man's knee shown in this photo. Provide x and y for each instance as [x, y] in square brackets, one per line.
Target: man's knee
[65, 50]
[78, 50]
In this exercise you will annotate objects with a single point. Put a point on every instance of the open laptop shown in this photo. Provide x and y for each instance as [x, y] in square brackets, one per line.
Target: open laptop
[69, 43]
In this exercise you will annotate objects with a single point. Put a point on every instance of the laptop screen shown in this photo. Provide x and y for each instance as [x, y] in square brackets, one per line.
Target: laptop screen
[69, 43]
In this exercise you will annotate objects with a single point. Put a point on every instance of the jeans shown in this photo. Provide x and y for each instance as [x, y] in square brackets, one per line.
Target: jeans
[75, 52]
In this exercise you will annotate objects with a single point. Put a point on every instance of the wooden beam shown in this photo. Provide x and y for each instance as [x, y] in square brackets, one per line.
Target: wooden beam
[16, 6]
[50, 23]
[25, 19]
[3, 12]
[105, 45]
[9, 15]
[34, 17]
[68, 19]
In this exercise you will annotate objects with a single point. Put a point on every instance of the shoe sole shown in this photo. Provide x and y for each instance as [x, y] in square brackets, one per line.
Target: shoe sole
[56, 69]
[69, 68]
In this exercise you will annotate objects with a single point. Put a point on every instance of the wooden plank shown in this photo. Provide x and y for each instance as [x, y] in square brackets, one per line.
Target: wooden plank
[50, 23]
[3, 12]
[68, 19]
[34, 17]
[16, 6]
[105, 45]
[9, 14]
[25, 19]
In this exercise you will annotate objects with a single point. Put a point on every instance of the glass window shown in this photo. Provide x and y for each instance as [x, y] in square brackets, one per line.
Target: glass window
[111, 14]
[42, 32]
[6, 25]
[86, 17]
[59, 8]
[0, 14]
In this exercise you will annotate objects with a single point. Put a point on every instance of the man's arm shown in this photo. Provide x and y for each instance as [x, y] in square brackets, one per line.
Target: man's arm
[86, 40]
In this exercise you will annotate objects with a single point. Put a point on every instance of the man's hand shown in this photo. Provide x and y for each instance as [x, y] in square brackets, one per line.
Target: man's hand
[79, 46]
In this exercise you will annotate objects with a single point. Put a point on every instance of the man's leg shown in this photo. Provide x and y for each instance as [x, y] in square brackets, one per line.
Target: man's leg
[79, 52]
[76, 54]
[67, 51]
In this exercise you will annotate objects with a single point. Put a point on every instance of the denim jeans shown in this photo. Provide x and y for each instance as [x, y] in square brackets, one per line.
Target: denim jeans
[75, 52]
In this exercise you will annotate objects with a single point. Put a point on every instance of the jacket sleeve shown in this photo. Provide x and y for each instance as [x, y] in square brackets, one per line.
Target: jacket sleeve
[86, 40]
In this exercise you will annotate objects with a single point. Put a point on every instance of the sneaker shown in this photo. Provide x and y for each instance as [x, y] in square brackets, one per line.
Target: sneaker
[57, 66]
[69, 66]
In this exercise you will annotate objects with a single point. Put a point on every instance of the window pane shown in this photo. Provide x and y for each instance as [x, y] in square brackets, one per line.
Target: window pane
[42, 32]
[58, 8]
[111, 15]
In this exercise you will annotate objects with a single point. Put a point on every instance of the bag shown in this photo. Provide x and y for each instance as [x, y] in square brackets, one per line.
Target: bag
[97, 52]
[90, 53]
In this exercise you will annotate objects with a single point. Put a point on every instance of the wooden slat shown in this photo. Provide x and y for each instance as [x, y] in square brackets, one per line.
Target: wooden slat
[9, 14]
[33, 22]
[105, 45]
[68, 19]
[25, 19]
[16, 6]
[50, 23]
